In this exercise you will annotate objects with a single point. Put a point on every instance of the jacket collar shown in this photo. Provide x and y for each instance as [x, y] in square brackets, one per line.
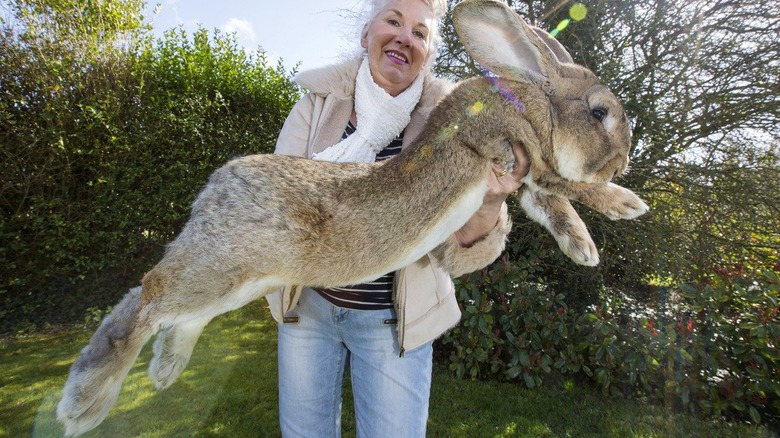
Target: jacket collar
[335, 79]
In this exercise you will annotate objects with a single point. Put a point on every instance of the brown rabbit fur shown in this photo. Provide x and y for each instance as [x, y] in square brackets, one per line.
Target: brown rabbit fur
[267, 221]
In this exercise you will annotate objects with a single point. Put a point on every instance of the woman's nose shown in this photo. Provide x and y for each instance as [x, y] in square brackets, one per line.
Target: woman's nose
[404, 36]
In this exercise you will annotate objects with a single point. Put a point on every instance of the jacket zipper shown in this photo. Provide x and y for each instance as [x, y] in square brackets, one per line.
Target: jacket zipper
[400, 311]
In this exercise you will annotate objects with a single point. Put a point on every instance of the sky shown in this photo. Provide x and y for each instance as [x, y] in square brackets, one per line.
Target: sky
[312, 32]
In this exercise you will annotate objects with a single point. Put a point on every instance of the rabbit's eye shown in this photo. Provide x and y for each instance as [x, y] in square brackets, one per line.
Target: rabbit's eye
[599, 114]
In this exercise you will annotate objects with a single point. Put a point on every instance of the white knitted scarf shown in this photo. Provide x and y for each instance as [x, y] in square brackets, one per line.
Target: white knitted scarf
[381, 118]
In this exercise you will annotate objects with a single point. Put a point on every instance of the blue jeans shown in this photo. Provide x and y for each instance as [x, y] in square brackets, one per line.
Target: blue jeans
[391, 392]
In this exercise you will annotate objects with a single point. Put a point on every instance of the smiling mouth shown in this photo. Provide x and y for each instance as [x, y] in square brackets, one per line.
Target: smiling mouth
[396, 56]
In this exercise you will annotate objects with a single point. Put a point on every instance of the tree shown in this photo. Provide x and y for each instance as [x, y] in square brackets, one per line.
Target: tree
[703, 85]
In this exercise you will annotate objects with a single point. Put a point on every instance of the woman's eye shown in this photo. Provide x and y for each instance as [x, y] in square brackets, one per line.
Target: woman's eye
[419, 35]
[393, 22]
[599, 114]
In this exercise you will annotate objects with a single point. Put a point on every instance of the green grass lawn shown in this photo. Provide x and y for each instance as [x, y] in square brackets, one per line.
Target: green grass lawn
[229, 390]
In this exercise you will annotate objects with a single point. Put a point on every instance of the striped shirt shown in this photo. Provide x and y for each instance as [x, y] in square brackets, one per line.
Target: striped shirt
[376, 294]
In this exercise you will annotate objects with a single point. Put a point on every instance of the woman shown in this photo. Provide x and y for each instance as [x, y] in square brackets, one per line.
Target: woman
[367, 109]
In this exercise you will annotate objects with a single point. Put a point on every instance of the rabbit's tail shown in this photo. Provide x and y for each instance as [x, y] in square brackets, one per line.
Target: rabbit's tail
[96, 377]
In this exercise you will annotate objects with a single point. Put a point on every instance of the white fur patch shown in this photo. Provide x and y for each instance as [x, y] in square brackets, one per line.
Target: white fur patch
[239, 297]
[610, 122]
[250, 291]
[533, 211]
[457, 215]
[569, 164]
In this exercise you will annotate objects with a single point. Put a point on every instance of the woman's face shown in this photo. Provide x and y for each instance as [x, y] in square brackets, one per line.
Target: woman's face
[397, 40]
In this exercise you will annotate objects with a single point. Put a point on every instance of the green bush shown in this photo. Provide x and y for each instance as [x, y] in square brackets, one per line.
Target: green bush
[712, 349]
[107, 135]
[717, 352]
[513, 325]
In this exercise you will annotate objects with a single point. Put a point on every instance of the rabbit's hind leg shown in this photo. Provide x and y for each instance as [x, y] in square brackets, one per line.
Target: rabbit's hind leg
[174, 345]
[172, 350]
[96, 377]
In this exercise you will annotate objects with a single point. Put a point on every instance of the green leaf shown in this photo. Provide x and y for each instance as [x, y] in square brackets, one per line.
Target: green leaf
[591, 317]
[524, 358]
[529, 380]
[587, 370]
[513, 372]
[754, 415]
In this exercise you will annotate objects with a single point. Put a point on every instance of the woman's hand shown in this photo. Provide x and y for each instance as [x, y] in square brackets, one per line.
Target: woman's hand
[500, 185]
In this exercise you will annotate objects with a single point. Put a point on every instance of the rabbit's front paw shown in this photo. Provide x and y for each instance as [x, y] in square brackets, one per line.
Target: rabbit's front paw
[557, 215]
[577, 244]
[622, 203]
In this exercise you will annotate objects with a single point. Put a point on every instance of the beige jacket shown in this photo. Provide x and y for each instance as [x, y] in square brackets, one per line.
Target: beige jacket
[424, 294]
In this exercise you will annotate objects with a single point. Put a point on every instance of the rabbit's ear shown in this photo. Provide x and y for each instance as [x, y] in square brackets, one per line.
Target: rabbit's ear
[557, 48]
[496, 37]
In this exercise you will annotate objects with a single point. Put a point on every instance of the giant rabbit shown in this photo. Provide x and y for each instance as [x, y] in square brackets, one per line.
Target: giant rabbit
[266, 221]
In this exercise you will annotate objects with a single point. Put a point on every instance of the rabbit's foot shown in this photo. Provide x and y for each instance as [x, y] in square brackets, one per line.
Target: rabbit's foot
[617, 202]
[577, 244]
[165, 369]
[87, 399]
[172, 350]
[557, 215]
